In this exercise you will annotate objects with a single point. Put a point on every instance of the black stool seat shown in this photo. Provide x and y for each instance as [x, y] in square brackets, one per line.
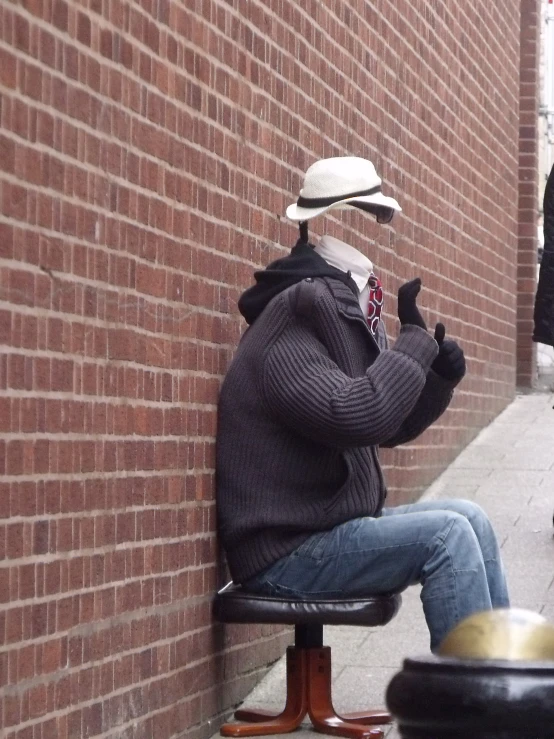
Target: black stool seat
[234, 605]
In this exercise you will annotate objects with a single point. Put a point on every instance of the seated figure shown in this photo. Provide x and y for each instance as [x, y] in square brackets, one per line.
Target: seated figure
[313, 391]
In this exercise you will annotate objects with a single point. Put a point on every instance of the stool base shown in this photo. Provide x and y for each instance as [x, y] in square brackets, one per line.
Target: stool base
[308, 693]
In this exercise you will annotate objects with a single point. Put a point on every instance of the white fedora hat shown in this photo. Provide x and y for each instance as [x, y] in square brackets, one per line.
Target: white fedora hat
[339, 182]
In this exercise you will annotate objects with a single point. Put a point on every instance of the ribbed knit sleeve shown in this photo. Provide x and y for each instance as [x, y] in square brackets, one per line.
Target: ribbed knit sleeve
[433, 401]
[307, 390]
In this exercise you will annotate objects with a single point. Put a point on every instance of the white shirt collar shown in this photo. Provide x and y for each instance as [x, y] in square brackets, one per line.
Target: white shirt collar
[344, 257]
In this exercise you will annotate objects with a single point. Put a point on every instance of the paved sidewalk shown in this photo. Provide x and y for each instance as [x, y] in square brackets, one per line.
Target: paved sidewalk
[509, 470]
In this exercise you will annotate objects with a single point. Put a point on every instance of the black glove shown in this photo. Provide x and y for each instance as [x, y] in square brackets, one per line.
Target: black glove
[450, 362]
[408, 312]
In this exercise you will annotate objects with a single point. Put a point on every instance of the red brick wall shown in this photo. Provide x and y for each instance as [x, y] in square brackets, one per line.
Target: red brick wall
[148, 150]
[528, 206]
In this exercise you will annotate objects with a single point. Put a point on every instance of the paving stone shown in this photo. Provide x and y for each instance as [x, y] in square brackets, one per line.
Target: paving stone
[486, 455]
[357, 688]
[529, 458]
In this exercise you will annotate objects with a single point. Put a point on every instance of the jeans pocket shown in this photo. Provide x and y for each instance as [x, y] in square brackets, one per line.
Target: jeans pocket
[302, 574]
[259, 585]
[313, 548]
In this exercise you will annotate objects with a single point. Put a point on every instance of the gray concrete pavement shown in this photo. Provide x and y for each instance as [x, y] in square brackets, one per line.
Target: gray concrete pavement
[509, 470]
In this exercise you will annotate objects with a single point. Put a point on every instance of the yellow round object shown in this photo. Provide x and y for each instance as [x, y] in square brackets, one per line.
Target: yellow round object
[505, 633]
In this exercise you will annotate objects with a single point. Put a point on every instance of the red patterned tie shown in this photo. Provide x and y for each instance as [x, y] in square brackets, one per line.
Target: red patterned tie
[375, 303]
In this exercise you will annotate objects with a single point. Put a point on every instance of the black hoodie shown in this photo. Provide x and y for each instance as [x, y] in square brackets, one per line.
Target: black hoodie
[302, 262]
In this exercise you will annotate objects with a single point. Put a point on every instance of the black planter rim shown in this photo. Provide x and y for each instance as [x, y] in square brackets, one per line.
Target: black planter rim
[434, 663]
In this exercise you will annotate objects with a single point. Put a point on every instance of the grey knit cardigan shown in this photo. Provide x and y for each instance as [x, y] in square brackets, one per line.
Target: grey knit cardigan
[309, 397]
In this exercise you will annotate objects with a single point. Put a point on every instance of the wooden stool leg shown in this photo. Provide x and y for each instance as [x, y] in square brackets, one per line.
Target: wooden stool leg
[320, 705]
[368, 717]
[262, 722]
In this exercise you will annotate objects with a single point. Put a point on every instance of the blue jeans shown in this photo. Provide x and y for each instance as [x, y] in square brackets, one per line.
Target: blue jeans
[448, 546]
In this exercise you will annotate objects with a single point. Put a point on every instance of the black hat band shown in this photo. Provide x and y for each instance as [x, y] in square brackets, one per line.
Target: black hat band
[324, 202]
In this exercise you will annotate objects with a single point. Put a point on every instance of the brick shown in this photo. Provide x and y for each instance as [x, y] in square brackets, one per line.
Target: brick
[60, 15]
[8, 69]
[84, 29]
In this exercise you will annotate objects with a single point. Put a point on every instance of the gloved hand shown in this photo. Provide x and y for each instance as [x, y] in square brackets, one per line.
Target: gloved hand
[450, 362]
[408, 312]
